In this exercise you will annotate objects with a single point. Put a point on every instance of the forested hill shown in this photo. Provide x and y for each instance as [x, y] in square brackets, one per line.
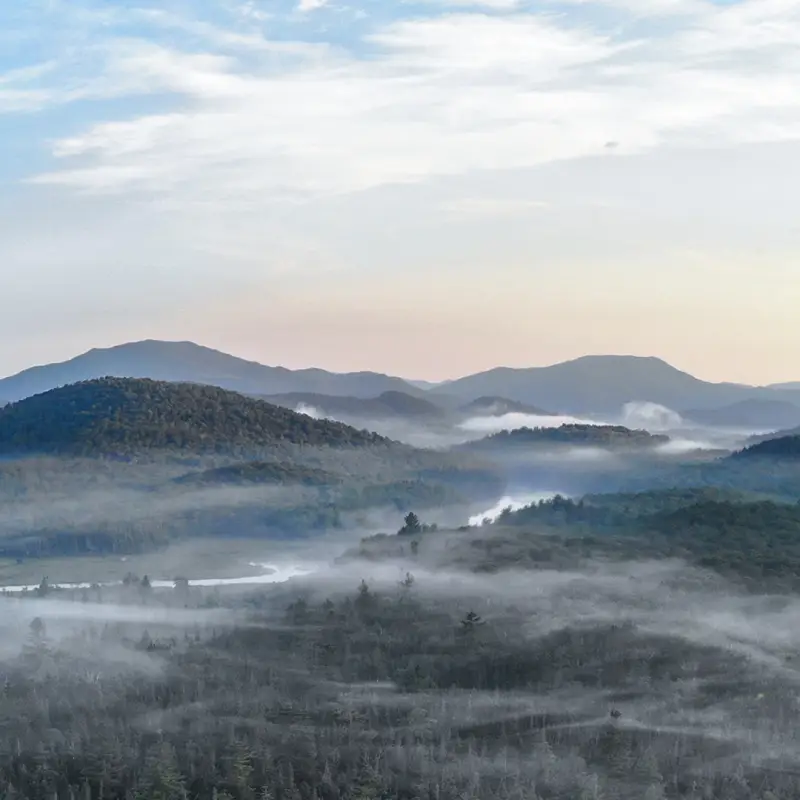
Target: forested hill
[570, 434]
[784, 447]
[119, 416]
[498, 406]
[388, 404]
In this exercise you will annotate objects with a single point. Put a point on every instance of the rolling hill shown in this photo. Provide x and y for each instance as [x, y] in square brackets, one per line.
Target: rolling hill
[605, 383]
[569, 435]
[391, 404]
[499, 406]
[779, 434]
[186, 362]
[792, 385]
[130, 415]
[122, 465]
[755, 413]
[783, 447]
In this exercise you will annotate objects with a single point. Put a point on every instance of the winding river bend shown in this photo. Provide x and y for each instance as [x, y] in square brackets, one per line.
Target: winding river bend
[271, 573]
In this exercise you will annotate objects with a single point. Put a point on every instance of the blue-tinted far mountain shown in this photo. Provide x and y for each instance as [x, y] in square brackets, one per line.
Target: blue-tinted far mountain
[598, 384]
[605, 383]
[387, 405]
[191, 363]
[753, 414]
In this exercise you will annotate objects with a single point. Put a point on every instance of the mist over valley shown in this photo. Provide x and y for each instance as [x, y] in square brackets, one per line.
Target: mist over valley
[407, 594]
[399, 400]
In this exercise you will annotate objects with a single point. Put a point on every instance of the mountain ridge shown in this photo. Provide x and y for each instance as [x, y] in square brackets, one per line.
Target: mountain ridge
[389, 404]
[187, 362]
[592, 383]
[751, 413]
[605, 383]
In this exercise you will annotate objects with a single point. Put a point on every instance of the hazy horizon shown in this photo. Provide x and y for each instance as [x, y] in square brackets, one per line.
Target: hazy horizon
[433, 381]
[428, 188]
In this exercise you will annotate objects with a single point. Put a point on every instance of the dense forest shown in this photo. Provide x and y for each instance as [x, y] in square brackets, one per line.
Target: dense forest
[746, 471]
[782, 447]
[605, 436]
[636, 645]
[754, 542]
[380, 691]
[123, 416]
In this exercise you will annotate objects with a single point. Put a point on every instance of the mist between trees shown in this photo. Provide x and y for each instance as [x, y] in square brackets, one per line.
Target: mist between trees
[379, 680]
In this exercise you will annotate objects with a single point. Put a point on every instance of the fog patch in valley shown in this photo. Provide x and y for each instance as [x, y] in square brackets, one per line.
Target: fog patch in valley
[487, 425]
[120, 505]
[651, 417]
[739, 654]
[512, 502]
[687, 437]
[312, 411]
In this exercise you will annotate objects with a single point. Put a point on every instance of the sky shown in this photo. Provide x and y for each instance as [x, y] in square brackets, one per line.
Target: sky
[426, 188]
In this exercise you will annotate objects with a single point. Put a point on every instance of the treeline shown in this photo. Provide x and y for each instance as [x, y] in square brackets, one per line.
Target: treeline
[787, 447]
[754, 541]
[751, 541]
[608, 436]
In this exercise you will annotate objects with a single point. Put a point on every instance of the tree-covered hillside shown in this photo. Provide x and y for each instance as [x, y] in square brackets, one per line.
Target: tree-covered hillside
[130, 465]
[606, 436]
[783, 447]
[739, 536]
[387, 405]
[498, 406]
[123, 416]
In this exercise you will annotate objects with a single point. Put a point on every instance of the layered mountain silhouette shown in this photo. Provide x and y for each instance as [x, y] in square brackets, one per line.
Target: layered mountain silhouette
[600, 384]
[387, 405]
[186, 362]
[756, 413]
[781, 447]
[500, 406]
[605, 383]
[791, 385]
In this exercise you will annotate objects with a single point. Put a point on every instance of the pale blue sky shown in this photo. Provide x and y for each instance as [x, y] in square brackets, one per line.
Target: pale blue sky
[425, 188]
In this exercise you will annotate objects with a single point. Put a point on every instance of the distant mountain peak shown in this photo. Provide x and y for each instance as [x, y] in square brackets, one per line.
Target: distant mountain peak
[604, 384]
[188, 362]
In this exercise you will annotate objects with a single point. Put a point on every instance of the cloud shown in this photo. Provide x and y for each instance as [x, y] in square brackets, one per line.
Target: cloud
[311, 5]
[455, 139]
[496, 5]
[443, 94]
[468, 207]
[648, 8]
[514, 420]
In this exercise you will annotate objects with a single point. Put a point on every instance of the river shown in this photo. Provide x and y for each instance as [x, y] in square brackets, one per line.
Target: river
[271, 573]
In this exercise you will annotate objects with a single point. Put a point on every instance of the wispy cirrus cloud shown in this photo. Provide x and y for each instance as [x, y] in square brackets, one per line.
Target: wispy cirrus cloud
[436, 94]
